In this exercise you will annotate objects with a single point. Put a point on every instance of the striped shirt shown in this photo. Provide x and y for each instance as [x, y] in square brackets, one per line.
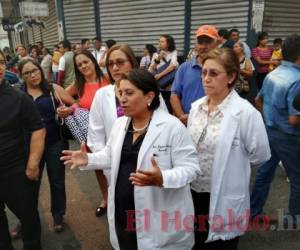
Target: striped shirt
[263, 54]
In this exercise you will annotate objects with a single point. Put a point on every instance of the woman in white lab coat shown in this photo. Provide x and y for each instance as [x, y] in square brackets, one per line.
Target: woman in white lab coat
[152, 161]
[230, 136]
[106, 109]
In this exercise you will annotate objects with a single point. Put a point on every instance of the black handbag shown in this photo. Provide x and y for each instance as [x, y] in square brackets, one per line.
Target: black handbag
[65, 133]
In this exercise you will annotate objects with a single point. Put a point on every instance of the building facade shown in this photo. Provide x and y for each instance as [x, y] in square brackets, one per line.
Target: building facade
[139, 22]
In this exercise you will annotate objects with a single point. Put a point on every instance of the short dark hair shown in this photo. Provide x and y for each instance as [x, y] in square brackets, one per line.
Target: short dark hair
[129, 54]
[223, 33]
[110, 42]
[234, 30]
[277, 41]
[262, 35]
[170, 42]
[66, 44]
[79, 78]
[151, 49]
[291, 48]
[144, 81]
[97, 39]
[84, 40]
[43, 84]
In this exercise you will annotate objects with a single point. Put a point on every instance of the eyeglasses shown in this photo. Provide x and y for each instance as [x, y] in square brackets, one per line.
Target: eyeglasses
[211, 73]
[119, 63]
[30, 72]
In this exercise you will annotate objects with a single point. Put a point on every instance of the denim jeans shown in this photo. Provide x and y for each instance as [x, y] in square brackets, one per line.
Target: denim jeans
[56, 176]
[54, 76]
[285, 148]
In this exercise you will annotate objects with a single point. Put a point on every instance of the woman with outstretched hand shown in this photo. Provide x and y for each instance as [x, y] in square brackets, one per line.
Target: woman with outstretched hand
[152, 161]
[106, 108]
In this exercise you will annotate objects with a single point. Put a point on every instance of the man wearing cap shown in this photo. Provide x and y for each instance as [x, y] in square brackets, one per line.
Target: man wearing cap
[187, 86]
[282, 121]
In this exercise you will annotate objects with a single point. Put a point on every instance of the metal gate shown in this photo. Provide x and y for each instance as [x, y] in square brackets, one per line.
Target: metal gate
[79, 19]
[281, 18]
[221, 13]
[137, 23]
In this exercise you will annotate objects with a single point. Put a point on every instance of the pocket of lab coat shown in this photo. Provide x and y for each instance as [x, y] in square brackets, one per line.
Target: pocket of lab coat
[234, 210]
[163, 161]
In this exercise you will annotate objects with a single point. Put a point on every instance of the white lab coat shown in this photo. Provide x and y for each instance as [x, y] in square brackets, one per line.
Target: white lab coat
[242, 143]
[177, 158]
[102, 116]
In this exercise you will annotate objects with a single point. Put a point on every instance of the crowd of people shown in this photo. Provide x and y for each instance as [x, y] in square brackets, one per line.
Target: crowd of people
[172, 145]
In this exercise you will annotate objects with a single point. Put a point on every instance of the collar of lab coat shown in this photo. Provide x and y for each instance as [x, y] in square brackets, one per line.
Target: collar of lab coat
[159, 118]
[233, 108]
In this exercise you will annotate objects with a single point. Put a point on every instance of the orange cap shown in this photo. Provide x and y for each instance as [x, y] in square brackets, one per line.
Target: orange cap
[207, 30]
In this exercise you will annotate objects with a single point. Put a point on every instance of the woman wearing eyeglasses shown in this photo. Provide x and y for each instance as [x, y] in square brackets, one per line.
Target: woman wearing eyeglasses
[106, 108]
[230, 136]
[44, 96]
[152, 162]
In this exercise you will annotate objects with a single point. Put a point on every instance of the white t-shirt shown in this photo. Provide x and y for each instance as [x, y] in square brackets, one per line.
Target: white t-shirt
[61, 64]
[169, 56]
[46, 65]
[99, 54]
[145, 62]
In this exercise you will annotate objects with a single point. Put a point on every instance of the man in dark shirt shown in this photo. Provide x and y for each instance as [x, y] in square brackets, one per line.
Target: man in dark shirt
[19, 171]
[224, 40]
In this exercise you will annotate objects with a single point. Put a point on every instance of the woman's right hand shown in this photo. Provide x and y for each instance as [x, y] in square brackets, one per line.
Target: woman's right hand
[64, 111]
[162, 54]
[75, 158]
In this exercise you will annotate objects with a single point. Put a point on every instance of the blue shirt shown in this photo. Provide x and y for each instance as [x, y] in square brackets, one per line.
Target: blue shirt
[188, 84]
[278, 92]
[46, 109]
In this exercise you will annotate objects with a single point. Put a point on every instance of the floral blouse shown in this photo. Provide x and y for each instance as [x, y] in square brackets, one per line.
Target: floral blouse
[205, 133]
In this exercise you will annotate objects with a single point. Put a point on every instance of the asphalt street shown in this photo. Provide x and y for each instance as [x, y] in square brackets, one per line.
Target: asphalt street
[85, 231]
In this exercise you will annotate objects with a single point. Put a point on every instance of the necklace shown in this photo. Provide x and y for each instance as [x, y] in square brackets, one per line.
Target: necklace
[140, 130]
[137, 130]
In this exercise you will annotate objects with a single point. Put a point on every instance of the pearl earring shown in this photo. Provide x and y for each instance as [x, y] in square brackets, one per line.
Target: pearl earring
[149, 104]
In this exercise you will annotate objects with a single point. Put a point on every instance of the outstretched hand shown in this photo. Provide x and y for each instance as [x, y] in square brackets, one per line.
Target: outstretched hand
[75, 158]
[147, 178]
